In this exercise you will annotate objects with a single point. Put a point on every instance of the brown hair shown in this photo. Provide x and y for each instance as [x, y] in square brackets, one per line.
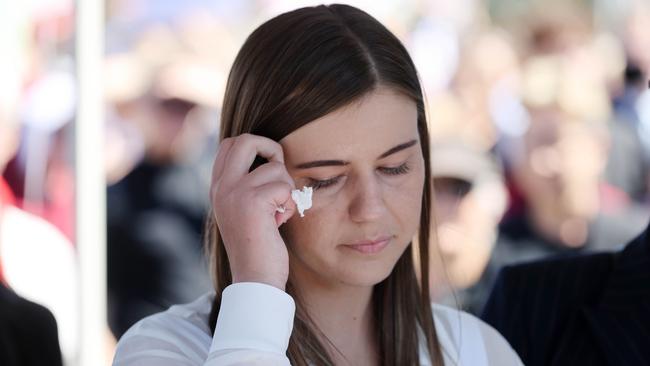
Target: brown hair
[293, 69]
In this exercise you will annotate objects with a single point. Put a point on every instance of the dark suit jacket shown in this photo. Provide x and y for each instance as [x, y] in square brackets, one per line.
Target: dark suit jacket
[28, 332]
[582, 310]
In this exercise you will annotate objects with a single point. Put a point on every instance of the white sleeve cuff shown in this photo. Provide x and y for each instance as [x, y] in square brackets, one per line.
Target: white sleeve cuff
[254, 316]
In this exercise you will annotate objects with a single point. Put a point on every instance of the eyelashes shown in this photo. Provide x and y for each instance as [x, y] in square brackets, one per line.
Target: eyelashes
[320, 184]
[402, 169]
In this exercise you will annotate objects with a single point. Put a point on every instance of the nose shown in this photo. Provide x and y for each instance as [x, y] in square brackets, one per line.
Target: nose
[367, 202]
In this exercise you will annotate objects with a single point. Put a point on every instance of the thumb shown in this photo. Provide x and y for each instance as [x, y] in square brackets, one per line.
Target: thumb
[290, 209]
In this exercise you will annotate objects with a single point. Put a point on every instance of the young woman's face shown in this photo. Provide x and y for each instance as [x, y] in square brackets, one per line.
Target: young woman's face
[365, 164]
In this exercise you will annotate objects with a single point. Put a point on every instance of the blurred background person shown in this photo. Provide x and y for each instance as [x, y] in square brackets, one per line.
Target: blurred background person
[36, 260]
[470, 200]
[41, 174]
[557, 166]
[157, 204]
[599, 312]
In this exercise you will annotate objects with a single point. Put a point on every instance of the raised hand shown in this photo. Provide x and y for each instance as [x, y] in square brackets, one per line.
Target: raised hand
[246, 204]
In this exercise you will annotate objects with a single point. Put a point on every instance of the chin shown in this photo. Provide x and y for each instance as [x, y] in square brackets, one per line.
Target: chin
[365, 274]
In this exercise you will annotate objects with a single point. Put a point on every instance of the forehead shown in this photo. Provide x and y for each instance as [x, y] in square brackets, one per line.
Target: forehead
[378, 121]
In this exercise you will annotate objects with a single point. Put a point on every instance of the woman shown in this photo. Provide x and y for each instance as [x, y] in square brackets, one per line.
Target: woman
[329, 99]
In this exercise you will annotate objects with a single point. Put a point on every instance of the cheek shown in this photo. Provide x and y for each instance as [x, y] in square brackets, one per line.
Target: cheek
[301, 233]
[326, 202]
[412, 188]
[405, 202]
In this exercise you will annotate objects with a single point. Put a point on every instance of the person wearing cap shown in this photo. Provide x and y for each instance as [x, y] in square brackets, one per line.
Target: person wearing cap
[470, 199]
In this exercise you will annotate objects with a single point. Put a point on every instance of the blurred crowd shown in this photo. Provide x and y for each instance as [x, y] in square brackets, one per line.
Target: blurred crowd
[539, 114]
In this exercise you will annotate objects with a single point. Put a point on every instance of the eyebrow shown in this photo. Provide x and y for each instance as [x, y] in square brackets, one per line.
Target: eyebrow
[321, 163]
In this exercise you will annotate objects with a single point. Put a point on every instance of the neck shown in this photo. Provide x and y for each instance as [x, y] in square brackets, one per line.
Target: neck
[344, 315]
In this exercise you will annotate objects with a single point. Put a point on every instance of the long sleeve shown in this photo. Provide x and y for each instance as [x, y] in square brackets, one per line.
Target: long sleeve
[253, 328]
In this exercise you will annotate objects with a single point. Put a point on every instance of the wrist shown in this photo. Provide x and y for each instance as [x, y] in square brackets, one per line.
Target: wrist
[267, 280]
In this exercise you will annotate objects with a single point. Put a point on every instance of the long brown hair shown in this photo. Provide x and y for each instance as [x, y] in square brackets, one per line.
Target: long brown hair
[293, 69]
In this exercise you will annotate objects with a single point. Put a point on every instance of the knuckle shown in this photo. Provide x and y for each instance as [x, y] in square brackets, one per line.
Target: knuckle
[227, 141]
[276, 165]
[285, 186]
[246, 140]
[236, 141]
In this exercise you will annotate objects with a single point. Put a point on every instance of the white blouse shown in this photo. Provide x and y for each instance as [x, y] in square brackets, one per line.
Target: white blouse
[254, 326]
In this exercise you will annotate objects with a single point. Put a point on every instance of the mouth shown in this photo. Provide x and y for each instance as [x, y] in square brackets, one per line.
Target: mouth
[369, 246]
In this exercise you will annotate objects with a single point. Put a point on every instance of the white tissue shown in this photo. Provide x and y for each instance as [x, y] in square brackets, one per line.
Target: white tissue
[302, 199]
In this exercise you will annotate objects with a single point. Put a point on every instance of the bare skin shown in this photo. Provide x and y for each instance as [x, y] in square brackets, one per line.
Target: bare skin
[375, 196]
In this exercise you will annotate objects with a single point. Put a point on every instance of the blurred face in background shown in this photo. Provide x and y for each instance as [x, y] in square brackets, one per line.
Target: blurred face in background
[466, 222]
[169, 120]
[562, 164]
[559, 174]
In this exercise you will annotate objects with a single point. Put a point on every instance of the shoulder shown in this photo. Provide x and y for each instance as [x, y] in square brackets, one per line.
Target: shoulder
[467, 340]
[567, 263]
[27, 327]
[25, 312]
[571, 275]
[179, 333]
[531, 302]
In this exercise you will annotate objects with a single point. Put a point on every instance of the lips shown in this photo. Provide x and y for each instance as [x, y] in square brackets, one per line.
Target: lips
[367, 246]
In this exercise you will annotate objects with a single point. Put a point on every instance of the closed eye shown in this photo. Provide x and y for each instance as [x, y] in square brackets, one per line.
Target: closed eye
[318, 184]
[402, 169]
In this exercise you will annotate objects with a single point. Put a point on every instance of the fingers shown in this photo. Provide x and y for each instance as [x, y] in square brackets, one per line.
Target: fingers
[278, 194]
[244, 206]
[242, 154]
[290, 208]
[231, 171]
[219, 162]
[275, 172]
[270, 171]
[222, 154]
